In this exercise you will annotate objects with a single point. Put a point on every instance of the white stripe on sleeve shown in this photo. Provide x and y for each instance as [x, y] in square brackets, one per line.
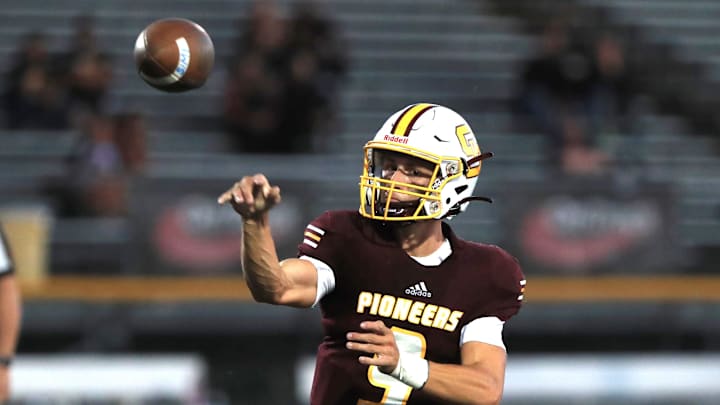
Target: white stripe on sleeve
[316, 229]
[326, 278]
[310, 243]
[487, 329]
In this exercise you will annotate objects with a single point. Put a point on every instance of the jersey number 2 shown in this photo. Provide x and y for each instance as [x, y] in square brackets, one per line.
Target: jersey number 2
[396, 392]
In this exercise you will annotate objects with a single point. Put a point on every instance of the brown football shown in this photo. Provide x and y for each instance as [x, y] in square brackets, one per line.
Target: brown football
[174, 54]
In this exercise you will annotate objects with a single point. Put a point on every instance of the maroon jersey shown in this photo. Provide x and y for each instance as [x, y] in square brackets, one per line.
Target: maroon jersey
[426, 307]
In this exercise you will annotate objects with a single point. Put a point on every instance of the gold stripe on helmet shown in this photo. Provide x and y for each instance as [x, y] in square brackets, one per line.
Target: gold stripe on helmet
[405, 121]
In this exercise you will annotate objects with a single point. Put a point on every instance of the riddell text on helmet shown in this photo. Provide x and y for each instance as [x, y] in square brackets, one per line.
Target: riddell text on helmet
[398, 139]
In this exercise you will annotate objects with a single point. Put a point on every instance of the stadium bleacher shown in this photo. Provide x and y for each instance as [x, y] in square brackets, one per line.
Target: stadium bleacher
[393, 63]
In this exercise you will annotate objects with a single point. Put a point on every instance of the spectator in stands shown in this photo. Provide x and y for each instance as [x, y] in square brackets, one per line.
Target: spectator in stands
[96, 177]
[10, 314]
[558, 92]
[317, 67]
[265, 32]
[539, 80]
[316, 33]
[283, 82]
[110, 151]
[33, 96]
[614, 91]
[254, 98]
[131, 140]
[87, 71]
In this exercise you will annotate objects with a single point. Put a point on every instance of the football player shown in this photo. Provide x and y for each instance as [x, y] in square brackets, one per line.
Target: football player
[411, 313]
[9, 317]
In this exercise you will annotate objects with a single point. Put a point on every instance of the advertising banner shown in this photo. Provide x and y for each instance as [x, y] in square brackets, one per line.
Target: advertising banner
[591, 226]
[179, 228]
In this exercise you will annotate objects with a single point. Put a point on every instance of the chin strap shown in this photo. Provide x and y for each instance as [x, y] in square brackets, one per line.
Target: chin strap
[476, 198]
[456, 209]
[482, 156]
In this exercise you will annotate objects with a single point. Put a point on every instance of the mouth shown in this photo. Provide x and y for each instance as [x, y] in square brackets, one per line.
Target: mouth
[397, 208]
[398, 197]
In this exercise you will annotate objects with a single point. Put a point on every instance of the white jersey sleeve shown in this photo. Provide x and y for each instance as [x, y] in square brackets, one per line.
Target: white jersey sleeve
[486, 329]
[5, 262]
[326, 278]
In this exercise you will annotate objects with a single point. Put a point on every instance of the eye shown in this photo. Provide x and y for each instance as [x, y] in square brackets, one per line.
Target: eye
[389, 166]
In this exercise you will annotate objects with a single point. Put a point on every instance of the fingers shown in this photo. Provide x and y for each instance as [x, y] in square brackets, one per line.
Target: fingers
[224, 197]
[383, 354]
[378, 360]
[273, 195]
[376, 327]
[377, 332]
[365, 337]
[366, 347]
[249, 188]
[251, 196]
[378, 339]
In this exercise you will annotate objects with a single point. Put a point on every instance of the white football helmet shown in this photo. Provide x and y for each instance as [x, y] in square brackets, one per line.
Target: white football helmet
[437, 135]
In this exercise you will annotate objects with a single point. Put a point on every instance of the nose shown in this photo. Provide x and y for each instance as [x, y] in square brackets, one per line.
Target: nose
[399, 179]
[400, 176]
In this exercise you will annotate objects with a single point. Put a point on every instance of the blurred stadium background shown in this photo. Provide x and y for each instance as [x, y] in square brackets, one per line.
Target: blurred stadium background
[132, 290]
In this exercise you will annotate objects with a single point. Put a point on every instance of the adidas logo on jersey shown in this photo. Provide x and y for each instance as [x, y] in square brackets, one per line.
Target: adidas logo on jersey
[418, 290]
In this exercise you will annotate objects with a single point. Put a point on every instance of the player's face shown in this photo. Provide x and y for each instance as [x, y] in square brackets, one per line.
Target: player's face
[402, 168]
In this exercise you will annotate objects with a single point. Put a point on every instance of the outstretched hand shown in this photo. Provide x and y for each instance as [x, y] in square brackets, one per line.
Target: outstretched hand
[378, 340]
[252, 196]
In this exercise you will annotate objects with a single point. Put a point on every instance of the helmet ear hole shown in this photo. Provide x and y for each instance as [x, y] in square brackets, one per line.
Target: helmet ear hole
[447, 200]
